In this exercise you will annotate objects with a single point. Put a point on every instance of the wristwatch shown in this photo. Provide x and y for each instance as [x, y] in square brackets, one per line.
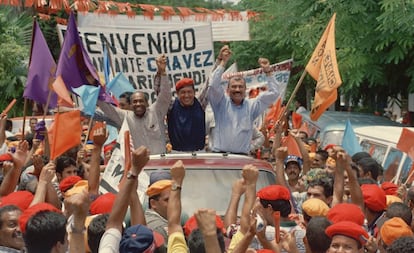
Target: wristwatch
[175, 187]
[131, 176]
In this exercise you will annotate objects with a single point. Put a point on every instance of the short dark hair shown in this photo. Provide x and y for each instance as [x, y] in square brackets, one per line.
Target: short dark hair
[127, 96]
[9, 125]
[63, 162]
[325, 182]
[44, 230]
[323, 153]
[369, 164]
[317, 240]
[236, 78]
[281, 205]
[401, 210]
[6, 209]
[402, 245]
[359, 155]
[96, 229]
[196, 242]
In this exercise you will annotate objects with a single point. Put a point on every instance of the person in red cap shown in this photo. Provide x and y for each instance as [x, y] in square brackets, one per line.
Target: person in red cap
[347, 237]
[186, 117]
[146, 122]
[375, 203]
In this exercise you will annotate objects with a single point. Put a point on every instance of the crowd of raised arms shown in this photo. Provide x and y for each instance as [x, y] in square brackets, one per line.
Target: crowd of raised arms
[324, 200]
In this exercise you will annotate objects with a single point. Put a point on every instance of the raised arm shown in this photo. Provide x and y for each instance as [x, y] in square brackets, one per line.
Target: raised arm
[78, 206]
[12, 176]
[140, 157]
[164, 97]
[113, 113]
[216, 91]
[250, 175]
[174, 202]
[206, 221]
[237, 191]
[203, 91]
[176, 240]
[280, 155]
[265, 99]
[99, 137]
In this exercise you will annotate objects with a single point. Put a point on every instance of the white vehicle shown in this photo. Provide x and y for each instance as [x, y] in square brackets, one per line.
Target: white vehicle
[381, 143]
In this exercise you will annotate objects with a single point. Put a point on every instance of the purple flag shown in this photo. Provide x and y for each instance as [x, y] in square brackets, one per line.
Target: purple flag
[41, 70]
[74, 64]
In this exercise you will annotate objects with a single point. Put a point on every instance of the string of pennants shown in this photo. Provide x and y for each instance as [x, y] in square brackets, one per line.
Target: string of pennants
[112, 8]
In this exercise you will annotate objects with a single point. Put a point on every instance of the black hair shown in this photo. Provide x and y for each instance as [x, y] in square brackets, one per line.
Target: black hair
[96, 229]
[196, 242]
[6, 209]
[317, 240]
[402, 245]
[401, 210]
[9, 125]
[325, 182]
[63, 162]
[323, 153]
[281, 205]
[369, 164]
[127, 96]
[155, 197]
[359, 155]
[44, 230]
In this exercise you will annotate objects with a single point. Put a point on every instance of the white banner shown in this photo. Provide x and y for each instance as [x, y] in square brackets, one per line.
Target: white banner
[225, 29]
[256, 78]
[133, 50]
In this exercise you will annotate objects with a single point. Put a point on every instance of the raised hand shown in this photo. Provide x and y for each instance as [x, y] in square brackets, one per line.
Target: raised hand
[140, 157]
[19, 157]
[161, 64]
[250, 174]
[178, 172]
[99, 134]
[48, 172]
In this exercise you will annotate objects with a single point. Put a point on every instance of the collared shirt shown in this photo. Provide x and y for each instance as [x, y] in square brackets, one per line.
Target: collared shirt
[234, 123]
[9, 250]
[157, 223]
[149, 130]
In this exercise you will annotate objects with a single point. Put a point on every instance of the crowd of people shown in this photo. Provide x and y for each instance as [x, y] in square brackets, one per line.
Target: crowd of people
[324, 199]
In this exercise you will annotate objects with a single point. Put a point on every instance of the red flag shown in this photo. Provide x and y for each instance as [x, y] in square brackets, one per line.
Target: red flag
[323, 67]
[293, 148]
[296, 120]
[65, 132]
[405, 143]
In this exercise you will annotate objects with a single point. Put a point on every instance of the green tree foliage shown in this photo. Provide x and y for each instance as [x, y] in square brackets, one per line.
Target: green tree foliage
[373, 38]
[15, 38]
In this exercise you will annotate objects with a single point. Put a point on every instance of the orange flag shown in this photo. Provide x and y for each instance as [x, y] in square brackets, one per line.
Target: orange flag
[305, 128]
[405, 143]
[293, 148]
[323, 67]
[65, 133]
[296, 120]
[63, 95]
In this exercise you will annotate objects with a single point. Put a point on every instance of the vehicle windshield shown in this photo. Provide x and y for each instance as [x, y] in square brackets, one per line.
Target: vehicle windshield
[211, 188]
[331, 137]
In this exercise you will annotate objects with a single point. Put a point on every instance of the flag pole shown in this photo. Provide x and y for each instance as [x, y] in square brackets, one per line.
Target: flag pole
[24, 116]
[110, 59]
[88, 131]
[293, 93]
[45, 108]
